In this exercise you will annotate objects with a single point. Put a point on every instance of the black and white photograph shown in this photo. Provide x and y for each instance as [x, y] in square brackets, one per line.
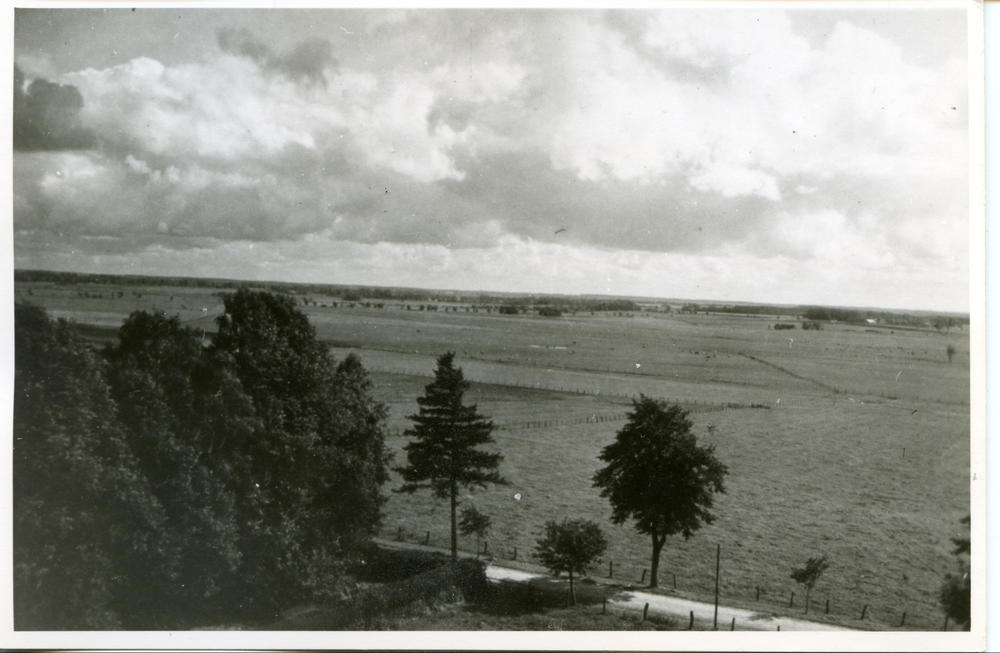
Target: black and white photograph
[649, 326]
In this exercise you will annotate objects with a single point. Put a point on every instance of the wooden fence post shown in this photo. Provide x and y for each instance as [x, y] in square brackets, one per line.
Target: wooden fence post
[611, 568]
[675, 579]
[399, 535]
[643, 579]
[864, 611]
[645, 610]
[515, 554]
[691, 623]
[427, 540]
[828, 606]
[791, 601]
[758, 592]
[732, 626]
[718, 558]
[902, 622]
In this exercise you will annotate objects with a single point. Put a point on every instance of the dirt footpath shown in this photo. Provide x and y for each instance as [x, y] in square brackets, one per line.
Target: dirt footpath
[633, 602]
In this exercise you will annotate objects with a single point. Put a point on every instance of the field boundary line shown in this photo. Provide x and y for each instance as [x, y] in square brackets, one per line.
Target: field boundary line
[693, 406]
[627, 372]
[789, 372]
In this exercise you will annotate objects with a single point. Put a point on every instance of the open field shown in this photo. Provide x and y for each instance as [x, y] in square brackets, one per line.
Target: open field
[821, 470]
[828, 478]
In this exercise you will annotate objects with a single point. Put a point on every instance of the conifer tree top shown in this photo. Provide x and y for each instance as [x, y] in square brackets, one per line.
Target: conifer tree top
[446, 434]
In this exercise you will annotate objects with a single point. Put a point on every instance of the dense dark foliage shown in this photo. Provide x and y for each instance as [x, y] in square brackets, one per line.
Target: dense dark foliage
[443, 454]
[955, 593]
[456, 582]
[85, 519]
[659, 476]
[193, 483]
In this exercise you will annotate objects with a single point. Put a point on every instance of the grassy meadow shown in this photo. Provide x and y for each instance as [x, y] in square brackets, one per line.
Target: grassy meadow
[861, 451]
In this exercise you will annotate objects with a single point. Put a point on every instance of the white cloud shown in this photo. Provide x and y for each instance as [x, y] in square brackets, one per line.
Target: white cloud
[735, 181]
[724, 139]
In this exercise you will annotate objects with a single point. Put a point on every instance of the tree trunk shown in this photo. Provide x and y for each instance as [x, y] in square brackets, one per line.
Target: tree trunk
[655, 565]
[572, 592]
[454, 521]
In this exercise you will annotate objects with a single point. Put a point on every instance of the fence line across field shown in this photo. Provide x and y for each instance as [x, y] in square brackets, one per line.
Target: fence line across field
[633, 576]
[631, 373]
[695, 406]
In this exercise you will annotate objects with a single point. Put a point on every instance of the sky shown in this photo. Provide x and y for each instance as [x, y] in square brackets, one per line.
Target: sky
[796, 156]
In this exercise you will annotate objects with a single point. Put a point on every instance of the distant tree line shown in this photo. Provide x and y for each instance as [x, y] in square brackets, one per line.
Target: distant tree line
[165, 482]
[889, 318]
[743, 309]
[499, 302]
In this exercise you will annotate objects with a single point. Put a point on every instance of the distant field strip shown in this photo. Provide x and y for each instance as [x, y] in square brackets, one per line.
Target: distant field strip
[788, 372]
[692, 406]
[619, 417]
[598, 383]
[599, 363]
[857, 391]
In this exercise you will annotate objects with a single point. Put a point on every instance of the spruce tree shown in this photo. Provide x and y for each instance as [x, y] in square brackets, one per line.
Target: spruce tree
[443, 454]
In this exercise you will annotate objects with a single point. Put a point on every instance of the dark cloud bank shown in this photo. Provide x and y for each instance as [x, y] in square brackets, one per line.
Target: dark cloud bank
[47, 116]
[306, 61]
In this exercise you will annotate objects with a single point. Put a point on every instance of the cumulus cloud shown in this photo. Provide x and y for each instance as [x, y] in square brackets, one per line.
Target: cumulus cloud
[308, 60]
[722, 134]
[47, 116]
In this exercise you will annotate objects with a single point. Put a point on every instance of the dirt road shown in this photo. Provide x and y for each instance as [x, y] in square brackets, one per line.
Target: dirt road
[633, 602]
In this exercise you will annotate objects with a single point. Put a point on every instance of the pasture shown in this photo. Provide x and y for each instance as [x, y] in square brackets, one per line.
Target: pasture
[821, 469]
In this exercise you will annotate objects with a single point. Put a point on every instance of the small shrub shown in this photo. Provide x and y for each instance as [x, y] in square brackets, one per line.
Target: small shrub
[810, 575]
[780, 326]
[464, 580]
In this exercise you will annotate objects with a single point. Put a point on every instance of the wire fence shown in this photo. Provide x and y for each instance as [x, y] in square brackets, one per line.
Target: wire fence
[848, 391]
[769, 597]
[694, 406]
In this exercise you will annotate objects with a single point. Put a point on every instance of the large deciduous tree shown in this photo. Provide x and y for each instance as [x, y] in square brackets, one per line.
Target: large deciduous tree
[658, 475]
[187, 420]
[169, 484]
[318, 460]
[443, 454]
[85, 519]
[570, 546]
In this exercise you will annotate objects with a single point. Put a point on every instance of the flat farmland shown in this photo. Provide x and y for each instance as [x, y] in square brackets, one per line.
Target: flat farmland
[740, 354]
[820, 468]
[828, 478]
[105, 306]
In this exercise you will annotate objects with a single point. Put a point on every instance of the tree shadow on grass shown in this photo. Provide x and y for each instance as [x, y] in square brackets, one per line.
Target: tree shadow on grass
[514, 598]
